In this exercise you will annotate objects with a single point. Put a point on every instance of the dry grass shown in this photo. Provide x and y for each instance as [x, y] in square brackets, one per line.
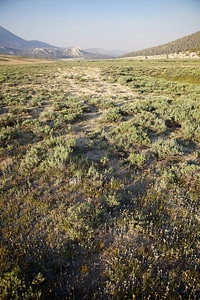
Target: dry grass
[17, 60]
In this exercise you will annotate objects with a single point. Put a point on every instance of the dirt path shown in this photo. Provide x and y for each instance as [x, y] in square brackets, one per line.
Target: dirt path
[89, 82]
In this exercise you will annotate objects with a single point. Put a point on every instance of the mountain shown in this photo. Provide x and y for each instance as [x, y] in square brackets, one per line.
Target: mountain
[39, 44]
[98, 51]
[10, 40]
[12, 44]
[187, 43]
[75, 52]
[117, 52]
[106, 53]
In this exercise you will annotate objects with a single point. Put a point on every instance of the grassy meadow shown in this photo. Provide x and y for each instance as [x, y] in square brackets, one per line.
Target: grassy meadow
[100, 179]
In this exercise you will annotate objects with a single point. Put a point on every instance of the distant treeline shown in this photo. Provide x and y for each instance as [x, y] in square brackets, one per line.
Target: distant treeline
[187, 43]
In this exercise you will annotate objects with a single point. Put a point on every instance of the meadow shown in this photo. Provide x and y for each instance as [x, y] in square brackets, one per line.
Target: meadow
[100, 179]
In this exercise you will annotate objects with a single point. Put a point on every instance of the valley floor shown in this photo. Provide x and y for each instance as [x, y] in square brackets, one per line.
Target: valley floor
[100, 179]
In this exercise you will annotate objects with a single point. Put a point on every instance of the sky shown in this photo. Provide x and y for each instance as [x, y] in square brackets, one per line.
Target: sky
[126, 25]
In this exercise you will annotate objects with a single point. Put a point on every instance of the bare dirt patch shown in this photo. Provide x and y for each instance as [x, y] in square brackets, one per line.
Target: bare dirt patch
[89, 82]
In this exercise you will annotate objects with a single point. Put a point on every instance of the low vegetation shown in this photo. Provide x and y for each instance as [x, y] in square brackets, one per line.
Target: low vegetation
[100, 180]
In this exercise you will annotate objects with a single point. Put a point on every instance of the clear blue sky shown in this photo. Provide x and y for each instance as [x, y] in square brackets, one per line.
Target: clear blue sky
[110, 24]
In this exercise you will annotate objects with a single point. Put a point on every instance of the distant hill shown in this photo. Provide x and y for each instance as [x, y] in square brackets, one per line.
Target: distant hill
[40, 44]
[11, 44]
[187, 43]
[106, 53]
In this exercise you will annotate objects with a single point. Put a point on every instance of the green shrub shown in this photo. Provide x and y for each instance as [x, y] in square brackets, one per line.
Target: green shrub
[164, 148]
[112, 115]
[12, 287]
[137, 159]
[34, 157]
[127, 136]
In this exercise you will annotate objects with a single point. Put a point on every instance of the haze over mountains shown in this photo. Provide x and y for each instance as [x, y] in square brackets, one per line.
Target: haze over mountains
[14, 45]
[11, 44]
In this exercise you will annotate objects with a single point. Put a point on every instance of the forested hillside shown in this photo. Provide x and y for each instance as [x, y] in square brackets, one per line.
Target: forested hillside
[187, 43]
